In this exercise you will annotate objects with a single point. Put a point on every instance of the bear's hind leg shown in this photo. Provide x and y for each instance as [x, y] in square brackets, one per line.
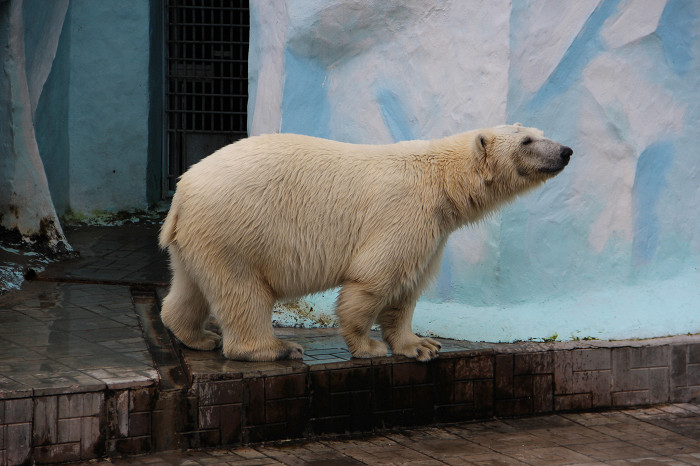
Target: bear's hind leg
[395, 321]
[185, 309]
[357, 309]
[243, 308]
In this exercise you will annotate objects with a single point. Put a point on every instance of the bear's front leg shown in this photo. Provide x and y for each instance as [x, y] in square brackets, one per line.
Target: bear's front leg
[395, 321]
[357, 309]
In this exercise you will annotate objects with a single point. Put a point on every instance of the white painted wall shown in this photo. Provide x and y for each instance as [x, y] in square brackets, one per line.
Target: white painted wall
[608, 249]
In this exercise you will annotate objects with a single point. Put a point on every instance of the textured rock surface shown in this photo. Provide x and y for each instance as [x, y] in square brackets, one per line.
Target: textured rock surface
[25, 201]
[608, 249]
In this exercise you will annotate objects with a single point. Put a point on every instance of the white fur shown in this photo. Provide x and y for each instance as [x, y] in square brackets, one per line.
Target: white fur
[279, 216]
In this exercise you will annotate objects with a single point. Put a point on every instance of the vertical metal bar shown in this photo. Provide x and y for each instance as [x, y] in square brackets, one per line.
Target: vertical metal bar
[164, 150]
[183, 87]
[205, 77]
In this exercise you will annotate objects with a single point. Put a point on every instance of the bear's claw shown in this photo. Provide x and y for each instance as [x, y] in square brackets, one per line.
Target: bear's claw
[422, 349]
[294, 351]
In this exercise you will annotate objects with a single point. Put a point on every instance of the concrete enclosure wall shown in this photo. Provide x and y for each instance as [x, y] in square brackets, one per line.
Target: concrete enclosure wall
[92, 114]
[609, 248]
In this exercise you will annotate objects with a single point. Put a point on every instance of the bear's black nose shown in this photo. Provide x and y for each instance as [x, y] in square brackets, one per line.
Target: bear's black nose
[565, 153]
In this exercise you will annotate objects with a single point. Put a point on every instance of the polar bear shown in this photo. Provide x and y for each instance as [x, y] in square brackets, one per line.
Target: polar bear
[283, 215]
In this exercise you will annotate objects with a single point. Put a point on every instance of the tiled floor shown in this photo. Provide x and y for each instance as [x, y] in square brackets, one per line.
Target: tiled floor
[64, 337]
[662, 435]
[128, 254]
[323, 347]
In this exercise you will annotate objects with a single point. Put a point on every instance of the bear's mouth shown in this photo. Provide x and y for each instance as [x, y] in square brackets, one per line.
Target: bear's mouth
[552, 169]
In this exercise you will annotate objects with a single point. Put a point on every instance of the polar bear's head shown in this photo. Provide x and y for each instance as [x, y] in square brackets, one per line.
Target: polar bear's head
[520, 157]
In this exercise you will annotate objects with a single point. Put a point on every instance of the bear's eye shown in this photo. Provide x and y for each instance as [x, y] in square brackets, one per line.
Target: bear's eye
[527, 140]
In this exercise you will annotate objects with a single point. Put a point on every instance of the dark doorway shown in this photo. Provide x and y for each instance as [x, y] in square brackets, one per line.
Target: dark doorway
[206, 80]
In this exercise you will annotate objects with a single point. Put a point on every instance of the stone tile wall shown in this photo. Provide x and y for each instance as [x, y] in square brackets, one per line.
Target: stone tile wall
[75, 426]
[357, 396]
[305, 400]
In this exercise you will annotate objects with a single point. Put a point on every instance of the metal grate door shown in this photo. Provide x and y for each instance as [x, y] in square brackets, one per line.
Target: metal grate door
[206, 80]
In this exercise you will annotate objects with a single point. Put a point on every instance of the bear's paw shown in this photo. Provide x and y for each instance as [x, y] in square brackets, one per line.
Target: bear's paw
[203, 341]
[269, 350]
[422, 349]
[370, 348]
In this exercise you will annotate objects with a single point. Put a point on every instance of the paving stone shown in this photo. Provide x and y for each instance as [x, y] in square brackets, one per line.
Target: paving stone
[359, 378]
[231, 424]
[92, 403]
[626, 376]
[256, 401]
[478, 367]
[596, 383]
[69, 430]
[631, 398]
[139, 424]
[551, 456]
[651, 356]
[45, 427]
[463, 392]
[542, 395]
[573, 434]
[483, 398]
[18, 442]
[693, 374]
[551, 421]
[668, 446]
[679, 364]
[70, 406]
[18, 411]
[591, 359]
[222, 392]
[659, 385]
[694, 353]
[612, 450]
[62, 452]
[503, 374]
[442, 448]
[485, 459]
[285, 386]
[89, 437]
[533, 363]
[129, 253]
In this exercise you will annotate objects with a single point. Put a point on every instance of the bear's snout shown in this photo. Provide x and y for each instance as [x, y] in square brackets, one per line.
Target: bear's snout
[551, 157]
[565, 153]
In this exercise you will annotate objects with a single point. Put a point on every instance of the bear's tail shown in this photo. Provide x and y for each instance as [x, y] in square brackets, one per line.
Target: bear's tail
[167, 231]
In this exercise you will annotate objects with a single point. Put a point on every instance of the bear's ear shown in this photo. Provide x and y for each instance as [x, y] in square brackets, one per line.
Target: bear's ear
[517, 124]
[483, 161]
[480, 143]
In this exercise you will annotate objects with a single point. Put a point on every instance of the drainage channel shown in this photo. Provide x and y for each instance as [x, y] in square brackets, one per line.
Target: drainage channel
[165, 353]
[175, 408]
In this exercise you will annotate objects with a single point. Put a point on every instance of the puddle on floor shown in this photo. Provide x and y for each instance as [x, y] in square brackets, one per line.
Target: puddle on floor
[17, 259]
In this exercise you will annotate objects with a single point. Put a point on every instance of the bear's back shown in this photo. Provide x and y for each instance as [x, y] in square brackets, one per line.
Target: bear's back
[302, 198]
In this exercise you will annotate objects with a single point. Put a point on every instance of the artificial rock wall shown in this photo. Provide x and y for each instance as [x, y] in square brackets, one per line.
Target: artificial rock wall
[608, 249]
